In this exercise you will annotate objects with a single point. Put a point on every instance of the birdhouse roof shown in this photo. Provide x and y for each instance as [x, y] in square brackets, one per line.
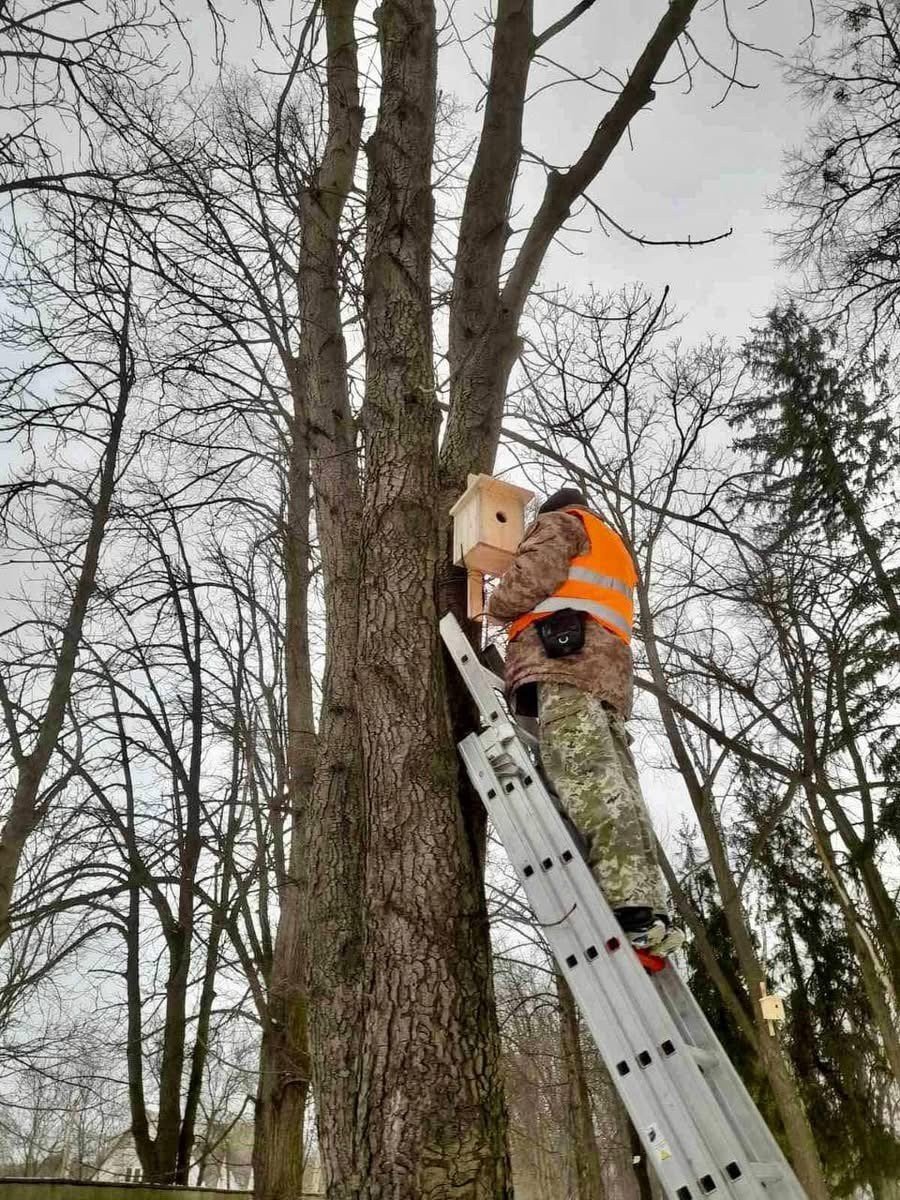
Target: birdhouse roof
[487, 483]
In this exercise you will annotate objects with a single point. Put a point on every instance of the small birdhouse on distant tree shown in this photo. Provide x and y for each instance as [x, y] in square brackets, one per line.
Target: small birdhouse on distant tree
[488, 524]
[772, 1007]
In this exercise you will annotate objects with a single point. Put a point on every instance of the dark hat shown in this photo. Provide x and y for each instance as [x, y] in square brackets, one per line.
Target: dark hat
[567, 497]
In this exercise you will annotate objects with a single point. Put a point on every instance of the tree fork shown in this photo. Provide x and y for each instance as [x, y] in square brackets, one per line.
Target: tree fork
[430, 1108]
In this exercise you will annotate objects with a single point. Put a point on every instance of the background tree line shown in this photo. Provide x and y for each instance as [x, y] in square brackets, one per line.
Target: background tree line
[225, 360]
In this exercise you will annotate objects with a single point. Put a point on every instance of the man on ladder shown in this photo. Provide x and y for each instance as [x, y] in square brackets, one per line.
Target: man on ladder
[567, 599]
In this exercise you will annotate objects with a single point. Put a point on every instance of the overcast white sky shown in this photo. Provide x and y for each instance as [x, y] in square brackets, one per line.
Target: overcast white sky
[694, 169]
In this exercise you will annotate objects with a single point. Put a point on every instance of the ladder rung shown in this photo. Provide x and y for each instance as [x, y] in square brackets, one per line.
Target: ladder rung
[766, 1172]
[703, 1058]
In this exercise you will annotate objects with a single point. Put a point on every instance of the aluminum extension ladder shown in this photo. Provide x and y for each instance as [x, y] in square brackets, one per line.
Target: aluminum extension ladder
[698, 1126]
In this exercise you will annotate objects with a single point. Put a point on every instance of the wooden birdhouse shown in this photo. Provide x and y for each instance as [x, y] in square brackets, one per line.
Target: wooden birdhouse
[488, 524]
[772, 1007]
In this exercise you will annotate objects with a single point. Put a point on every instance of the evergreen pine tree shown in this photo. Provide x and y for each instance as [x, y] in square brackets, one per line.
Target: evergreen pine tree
[828, 1030]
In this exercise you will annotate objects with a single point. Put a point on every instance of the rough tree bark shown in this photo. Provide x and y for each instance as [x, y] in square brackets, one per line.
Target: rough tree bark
[317, 952]
[331, 912]
[429, 1104]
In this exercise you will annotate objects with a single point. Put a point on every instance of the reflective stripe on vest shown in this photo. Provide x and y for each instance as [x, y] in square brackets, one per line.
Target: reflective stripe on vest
[605, 597]
[584, 575]
[605, 614]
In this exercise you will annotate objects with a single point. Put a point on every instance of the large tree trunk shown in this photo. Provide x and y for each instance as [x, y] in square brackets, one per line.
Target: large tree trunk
[402, 1024]
[586, 1167]
[803, 1151]
[317, 955]
[429, 1115]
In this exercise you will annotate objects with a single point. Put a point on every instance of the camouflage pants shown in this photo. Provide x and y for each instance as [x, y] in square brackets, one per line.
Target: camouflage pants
[584, 748]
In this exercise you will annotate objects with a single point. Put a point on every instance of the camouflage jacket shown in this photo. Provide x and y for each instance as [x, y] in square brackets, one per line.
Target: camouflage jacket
[604, 666]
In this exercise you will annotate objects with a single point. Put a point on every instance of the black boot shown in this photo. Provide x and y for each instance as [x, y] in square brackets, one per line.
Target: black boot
[634, 918]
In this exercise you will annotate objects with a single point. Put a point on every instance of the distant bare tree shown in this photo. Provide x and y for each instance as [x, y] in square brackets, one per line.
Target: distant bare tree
[177, 802]
[218, 253]
[225, 256]
[73, 325]
[61, 1101]
[59, 64]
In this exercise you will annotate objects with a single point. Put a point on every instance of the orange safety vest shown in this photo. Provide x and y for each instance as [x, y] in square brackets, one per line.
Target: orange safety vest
[600, 583]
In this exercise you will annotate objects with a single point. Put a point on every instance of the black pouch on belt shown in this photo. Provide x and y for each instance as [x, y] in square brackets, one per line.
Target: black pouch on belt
[563, 633]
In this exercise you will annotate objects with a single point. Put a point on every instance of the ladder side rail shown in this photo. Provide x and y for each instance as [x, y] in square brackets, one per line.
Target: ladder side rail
[688, 1114]
[745, 1138]
[723, 1123]
[483, 684]
[550, 911]
[743, 1141]
[732, 1093]
[676, 1087]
